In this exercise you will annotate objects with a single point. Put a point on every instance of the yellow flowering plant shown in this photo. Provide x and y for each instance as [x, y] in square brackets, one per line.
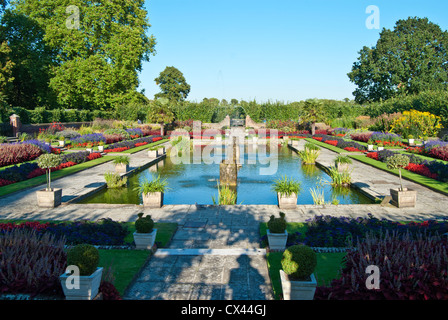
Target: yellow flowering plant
[417, 124]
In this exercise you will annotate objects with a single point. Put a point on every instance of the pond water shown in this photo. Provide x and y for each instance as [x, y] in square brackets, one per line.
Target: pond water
[196, 182]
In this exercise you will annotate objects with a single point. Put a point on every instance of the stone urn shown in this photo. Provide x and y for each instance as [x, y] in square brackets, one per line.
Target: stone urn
[298, 290]
[145, 241]
[49, 199]
[153, 199]
[277, 241]
[121, 168]
[405, 198]
[287, 202]
[88, 286]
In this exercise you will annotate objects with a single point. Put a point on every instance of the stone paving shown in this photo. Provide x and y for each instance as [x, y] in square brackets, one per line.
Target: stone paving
[215, 252]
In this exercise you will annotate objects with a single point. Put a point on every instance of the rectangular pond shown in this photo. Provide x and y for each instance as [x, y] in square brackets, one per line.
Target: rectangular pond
[195, 181]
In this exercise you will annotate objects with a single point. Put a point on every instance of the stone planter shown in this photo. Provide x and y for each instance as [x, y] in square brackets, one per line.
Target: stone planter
[380, 148]
[411, 142]
[297, 290]
[153, 199]
[49, 199]
[342, 166]
[121, 168]
[88, 286]
[370, 147]
[61, 143]
[403, 199]
[277, 241]
[145, 241]
[100, 148]
[287, 202]
[89, 150]
[153, 153]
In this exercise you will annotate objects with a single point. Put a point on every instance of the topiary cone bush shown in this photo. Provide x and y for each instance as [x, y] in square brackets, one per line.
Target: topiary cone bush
[144, 224]
[85, 256]
[277, 225]
[47, 162]
[299, 262]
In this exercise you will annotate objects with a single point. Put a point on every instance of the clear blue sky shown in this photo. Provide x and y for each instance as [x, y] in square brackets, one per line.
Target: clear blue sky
[286, 50]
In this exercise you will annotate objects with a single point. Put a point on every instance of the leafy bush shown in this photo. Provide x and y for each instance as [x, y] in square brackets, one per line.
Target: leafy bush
[85, 256]
[76, 157]
[17, 153]
[114, 180]
[154, 185]
[121, 160]
[277, 225]
[30, 262]
[411, 269]
[286, 186]
[144, 224]
[299, 262]
[417, 123]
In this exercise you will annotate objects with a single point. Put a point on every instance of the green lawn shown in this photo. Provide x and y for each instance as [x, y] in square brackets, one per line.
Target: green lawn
[425, 181]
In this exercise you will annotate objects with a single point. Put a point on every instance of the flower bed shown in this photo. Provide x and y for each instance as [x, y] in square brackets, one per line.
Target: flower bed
[88, 140]
[11, 154]
[410, 270]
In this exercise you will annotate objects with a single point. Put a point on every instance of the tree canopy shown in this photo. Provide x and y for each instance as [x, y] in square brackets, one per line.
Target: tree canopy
[96, 62]
[172, 84]
[409, 59]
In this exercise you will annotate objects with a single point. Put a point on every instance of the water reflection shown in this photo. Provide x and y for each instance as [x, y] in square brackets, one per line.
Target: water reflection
[197, 182]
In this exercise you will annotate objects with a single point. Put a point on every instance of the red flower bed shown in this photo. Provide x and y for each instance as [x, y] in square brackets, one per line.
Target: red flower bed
[94, 155]
[35, 225]
[372, 155]
[39, 172]
[351, 149]
[318, 138]
[117, 149]
[439, 153]
[141, 144]
[418, 150]
[332, 142]
[4, 182]
[391, 143]
[421, 169]
[156, 139]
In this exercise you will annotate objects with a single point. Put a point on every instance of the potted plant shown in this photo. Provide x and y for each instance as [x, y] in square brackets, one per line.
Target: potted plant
[402, 197]
[297, 273]
[49, 197]
[276, 232]
[342, 163]
[152, 192]
[121, 164]
[153, 152]
[411, 140]
[380, 147]
[287, 192]
[370, 144]
[85, 259]
[61, 141]
[101, 146]
[145, 234]
[309, 154]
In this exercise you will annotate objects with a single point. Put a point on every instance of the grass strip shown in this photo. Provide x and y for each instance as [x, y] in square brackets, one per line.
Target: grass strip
[19, 186]
[414, 177]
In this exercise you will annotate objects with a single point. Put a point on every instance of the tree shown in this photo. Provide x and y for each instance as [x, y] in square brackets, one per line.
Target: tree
[32, 61]
[98, 59]
[172, 84]
[160, 112]
[409, 59]
[313, 111]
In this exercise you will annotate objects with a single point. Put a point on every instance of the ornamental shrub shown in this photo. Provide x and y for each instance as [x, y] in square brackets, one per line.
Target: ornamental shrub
[277, 225]
[299, 262]
[417, 123]
[17, 153]
[144, 224]
[85, 257]
[411, 269]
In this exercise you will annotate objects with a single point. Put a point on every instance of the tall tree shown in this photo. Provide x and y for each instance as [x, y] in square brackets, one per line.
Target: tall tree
[172, 84]
[100, 47]
[32, 60]
[406, 60]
